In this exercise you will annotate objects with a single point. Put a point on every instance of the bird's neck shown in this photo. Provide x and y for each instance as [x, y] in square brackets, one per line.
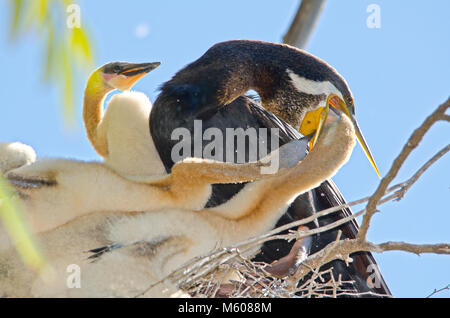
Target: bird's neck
[229, 69]
[94, 97]
[331, 152]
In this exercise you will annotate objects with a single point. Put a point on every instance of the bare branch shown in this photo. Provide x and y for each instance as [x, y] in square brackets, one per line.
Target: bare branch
[438, 291]
[442, 248]
[342, 249]
[408, 184]
[413, 142]
[304, 22]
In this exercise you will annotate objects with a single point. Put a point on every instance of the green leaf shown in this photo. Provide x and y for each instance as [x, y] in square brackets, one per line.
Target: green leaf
[69, 109]
[42, 10]
[16, 9]
[50, 55]
[17, 228]
[81, 47]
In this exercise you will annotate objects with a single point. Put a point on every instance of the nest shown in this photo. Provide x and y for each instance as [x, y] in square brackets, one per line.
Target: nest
[228, 273]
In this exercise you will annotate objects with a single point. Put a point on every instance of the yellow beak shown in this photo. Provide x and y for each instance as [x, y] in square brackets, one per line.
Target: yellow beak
[315, 120]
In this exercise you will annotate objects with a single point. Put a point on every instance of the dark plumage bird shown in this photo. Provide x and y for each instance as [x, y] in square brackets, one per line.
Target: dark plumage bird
[290, 83]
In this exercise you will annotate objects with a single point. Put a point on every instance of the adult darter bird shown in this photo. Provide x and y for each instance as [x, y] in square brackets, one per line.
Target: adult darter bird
[293, 85]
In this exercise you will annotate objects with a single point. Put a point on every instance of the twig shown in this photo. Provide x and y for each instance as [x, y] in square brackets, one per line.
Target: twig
[438, 291]
[419, 173]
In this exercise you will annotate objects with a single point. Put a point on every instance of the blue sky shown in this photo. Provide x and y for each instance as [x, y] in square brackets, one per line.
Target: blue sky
[398, 74]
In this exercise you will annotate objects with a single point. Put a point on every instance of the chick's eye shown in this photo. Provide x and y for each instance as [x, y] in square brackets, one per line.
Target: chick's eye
[116, 68]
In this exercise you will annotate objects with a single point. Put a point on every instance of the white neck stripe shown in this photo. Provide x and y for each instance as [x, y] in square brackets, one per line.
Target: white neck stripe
[311, 87]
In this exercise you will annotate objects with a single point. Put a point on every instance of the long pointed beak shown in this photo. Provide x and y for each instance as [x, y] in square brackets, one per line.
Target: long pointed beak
[338, 103]
[364, 144]
[134, 72]
[139, 69]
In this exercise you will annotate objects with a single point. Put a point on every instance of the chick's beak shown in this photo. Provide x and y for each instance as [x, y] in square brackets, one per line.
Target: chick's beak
[315, 120]
[134, 72]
